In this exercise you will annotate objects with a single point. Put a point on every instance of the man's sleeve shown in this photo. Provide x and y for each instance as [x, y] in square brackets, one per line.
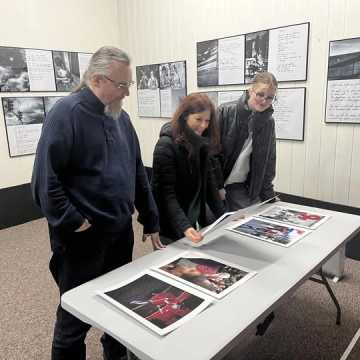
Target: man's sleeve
[51, 163]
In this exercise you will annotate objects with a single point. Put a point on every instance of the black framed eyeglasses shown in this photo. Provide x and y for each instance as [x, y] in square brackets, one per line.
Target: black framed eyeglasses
[261, 95]
[120, 84]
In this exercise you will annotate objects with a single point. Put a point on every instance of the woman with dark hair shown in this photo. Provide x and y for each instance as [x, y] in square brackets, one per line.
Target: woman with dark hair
[183, 181]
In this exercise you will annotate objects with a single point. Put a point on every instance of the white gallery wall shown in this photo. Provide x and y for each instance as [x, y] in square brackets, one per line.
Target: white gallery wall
[80, 26]
[326, 165]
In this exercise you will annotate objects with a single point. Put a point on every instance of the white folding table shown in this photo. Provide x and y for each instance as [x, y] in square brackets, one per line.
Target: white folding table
[216, 330]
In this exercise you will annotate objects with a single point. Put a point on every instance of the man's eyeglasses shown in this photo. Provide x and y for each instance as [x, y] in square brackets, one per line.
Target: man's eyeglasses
[261, 95]
[120, 84]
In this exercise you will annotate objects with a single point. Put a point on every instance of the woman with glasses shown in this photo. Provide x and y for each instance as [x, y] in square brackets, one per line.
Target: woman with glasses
[248, 155]
[183, 181]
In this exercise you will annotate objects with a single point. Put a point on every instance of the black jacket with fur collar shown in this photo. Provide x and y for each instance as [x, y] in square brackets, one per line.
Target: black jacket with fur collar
[175, 182]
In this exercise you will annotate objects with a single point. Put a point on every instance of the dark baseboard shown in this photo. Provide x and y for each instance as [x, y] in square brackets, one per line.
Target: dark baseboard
[17, 206]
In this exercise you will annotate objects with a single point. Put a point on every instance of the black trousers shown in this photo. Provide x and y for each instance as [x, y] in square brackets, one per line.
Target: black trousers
[85, 256]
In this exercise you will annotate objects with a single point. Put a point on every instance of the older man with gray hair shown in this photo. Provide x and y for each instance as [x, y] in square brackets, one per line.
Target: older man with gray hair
[88, 176]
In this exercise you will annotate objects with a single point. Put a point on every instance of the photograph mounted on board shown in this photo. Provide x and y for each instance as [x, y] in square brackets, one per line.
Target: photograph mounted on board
[14, 74]
[275, 233]
[214, 276]
[308, 220]
[256, 54]
[24, 117]
[207, 63]
[156, 301]
[67, 72]
[343, 87]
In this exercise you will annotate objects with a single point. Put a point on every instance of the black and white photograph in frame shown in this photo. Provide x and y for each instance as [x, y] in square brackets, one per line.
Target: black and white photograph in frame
[256, 54]
[214, 276]
[172, 86]
[14, 75]
[148, 90]
[207, 63]
[40, 69]
[67, 72]
[289, 113]
[24, 117]
[156, 301]
[343, 87]
[288, 52]
[50, 101]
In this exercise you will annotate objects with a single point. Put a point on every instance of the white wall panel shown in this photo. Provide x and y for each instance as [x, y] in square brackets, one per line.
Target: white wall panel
[82, 25]
[325, 166]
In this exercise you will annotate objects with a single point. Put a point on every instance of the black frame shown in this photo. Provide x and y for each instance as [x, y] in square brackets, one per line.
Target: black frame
[327, 84]
[52, 61]
[279, 27]
[287, 88]
[158, 78]
[6, 126]
[303, 117]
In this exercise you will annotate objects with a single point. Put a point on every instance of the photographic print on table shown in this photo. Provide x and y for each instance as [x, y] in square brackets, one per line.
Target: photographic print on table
[272, 232]
[24, 117]
[156, 301]
[207, 63]
[14, 76]
[211, 275]
[343, 87]
[67, 72]
[308, 220]
[256, 54]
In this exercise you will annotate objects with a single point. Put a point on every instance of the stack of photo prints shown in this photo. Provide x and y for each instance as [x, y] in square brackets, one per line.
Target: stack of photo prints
[279, 225]
[175, 291]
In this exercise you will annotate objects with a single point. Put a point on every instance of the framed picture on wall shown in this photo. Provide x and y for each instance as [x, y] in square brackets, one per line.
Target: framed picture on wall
[160, 88]
[256, 54]
[14, 76]
[343, 82]
[24, 117]
[207, 63]
[289, 113]
[67, 70]
[23, 70]
[237, 59]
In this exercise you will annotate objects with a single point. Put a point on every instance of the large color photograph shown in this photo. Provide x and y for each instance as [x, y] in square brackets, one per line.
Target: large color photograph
[157, 302]
[309, 220]
[271, 232]
[214, 276]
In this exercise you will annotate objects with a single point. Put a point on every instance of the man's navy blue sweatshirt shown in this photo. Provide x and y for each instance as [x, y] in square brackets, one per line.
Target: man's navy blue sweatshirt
[89, 166]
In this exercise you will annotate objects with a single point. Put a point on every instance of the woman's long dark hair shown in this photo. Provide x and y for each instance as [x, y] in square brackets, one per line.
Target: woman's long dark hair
[192, 104]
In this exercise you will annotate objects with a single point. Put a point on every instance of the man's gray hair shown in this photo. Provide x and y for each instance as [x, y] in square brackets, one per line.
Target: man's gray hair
[100, 61]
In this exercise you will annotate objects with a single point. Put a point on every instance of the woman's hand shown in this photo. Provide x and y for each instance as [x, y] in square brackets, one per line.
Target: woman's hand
[193, 235]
